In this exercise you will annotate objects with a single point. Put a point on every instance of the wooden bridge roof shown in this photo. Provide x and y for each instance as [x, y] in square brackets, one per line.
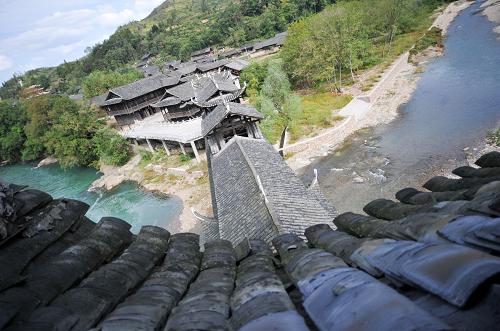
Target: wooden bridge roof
[287, 204]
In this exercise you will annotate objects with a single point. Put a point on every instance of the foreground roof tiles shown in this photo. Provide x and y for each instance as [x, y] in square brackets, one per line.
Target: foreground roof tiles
[417, 264]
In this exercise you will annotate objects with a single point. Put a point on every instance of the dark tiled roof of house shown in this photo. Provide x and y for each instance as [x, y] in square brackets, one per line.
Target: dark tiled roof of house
[237, 64]
[435, 268]
[277, 40]
[187, 69]
[141, 87]
[202, 51]
[221, 111]
[98, 100]
[204, 67]
[183, 91]
[151, 71]
[230, 53]
[168, 101]
[206, 58]
[201, 88]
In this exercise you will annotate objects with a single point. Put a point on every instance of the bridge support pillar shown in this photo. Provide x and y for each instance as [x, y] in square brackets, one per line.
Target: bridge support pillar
[182, 148]
[165, 147]
[195, 151]
[150, 146]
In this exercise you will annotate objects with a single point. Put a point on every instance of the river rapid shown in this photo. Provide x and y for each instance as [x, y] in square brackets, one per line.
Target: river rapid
[456, 102]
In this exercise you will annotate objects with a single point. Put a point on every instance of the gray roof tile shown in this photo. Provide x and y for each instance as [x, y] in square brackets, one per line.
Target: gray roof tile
[144, 86]
[220, 112]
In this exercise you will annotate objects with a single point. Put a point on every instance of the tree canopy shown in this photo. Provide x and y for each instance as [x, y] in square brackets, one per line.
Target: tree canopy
[277, 102]
[348, 36]
[99, 82]
[58, 126]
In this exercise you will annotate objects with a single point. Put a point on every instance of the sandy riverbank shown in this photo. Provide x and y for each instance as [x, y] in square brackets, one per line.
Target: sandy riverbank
[491, 9]
[392, 93]
[190, 186]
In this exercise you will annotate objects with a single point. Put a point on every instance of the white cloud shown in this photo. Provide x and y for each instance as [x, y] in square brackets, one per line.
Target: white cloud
[44, 37]
[5, 62]
[62, 31]
[115, 19]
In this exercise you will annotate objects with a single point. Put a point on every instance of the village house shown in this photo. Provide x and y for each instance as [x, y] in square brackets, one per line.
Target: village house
[269, 46]
[202, 53]
[250, 182]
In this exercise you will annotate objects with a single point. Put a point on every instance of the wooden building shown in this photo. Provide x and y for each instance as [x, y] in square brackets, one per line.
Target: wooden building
[201, 53]
[254, 192]
[193, 98]
[177, 120]
[130, 103]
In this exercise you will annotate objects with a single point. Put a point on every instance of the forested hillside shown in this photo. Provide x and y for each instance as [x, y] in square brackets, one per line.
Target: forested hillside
[173, 30]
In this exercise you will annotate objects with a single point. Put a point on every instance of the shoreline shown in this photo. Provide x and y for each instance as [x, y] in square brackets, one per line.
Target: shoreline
[491, 9]
[393, 92]
[188, 186]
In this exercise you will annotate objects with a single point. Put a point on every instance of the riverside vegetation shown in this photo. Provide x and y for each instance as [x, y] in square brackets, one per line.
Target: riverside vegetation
[58, 126]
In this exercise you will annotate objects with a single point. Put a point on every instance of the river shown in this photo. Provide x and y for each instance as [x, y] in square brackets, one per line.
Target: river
[127, 201]
[457, 100]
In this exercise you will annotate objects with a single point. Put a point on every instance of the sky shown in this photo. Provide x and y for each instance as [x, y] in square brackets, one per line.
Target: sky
[41, 33]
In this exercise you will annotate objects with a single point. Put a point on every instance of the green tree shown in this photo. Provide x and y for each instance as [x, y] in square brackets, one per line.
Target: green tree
[38, 124]
[328, 45]
[254, 75]
[12, 121]
[58, 126]
[111, 148]
[99, 82]
[279, 106]
[69, 138]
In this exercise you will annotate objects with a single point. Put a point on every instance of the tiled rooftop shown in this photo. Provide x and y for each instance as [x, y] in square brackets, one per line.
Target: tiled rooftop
[428, 261]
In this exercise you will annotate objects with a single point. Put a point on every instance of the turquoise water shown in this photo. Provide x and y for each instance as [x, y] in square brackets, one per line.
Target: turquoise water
[456, 102]
[127, 201]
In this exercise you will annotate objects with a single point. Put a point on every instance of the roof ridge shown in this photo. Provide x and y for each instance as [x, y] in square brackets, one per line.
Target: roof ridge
[267, 202]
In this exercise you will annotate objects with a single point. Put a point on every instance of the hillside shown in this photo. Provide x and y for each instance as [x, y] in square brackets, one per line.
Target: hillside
[173, 30]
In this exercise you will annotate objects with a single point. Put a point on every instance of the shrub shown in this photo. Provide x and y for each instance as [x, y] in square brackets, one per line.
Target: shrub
[493, 137]
[112, 148]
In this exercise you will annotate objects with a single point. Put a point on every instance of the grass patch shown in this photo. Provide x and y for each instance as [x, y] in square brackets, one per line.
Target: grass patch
[433, 37]
[199, 166]
[150, 176]
[288, 155]
[317, 113]
[161, 157]
[171, 178]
